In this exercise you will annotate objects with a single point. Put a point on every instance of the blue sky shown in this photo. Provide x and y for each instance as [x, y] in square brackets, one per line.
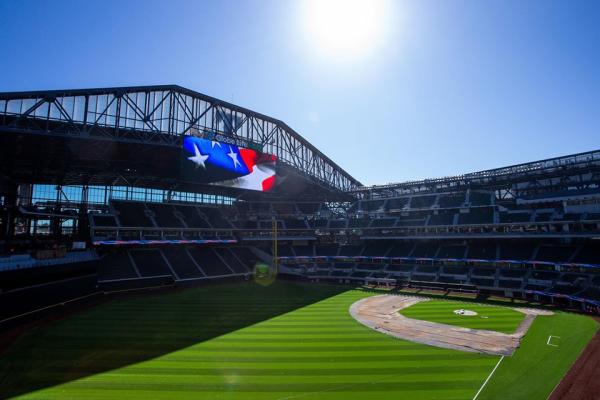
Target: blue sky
[451, 86]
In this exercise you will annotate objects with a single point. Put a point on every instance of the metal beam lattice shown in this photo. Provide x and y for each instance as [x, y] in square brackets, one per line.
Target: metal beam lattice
[163, 115]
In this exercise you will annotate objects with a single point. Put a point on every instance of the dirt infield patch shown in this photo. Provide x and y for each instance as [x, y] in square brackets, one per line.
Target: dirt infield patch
[582, 382]
[381, 314]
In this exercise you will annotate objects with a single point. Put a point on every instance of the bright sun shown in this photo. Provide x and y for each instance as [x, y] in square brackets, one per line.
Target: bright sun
[345, 28]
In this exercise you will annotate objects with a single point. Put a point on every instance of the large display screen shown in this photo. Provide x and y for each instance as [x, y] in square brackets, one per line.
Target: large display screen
[225, 164]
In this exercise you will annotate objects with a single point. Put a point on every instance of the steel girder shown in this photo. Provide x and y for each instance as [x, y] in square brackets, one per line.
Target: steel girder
[162, 115]
[558, 172]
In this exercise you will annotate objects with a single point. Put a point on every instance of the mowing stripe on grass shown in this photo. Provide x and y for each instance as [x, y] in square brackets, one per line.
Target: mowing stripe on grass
[488, 378]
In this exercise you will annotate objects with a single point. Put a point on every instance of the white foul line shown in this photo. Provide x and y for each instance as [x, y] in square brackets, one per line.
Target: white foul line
[488, 378]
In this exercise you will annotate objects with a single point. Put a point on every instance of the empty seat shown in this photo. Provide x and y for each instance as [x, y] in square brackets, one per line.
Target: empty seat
[192, 218]
[115, 266]
[451, 200]
[397, 203]
[422, 201]
[516, 251]
[164, 217]
[425, 249]
[150, 263]
[452, 251]
[132, 214]
[477, 216]
[442, 218]
[554, 253]
[376, 249]
[104, 220]
[482, 250]
[232, 261]
[182, 263]
[209, 262]
[383, 222]
[480, 198]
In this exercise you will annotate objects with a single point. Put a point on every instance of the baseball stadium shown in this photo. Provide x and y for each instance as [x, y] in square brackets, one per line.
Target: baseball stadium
[164, 244]
[299, 200]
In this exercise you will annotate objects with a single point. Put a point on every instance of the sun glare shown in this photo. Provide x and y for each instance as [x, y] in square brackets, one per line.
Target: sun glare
[345, 28]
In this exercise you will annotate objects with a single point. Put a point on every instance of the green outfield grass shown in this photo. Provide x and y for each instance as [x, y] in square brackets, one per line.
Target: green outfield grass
[245, 341]
[493, 318]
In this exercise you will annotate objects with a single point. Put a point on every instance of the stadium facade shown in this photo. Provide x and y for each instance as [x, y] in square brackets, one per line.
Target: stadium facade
[160, 185]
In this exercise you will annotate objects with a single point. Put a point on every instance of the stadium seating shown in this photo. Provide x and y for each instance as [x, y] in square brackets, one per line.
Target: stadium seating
[295, 223]
[181, 262]
[232, 260]
[132, 214]
[480, 198]
[304, 250]
[210, 263]
[215, 218]
[192, 218]
[164, 216]
[397, 203]
[589, 254]
[516, 250]
[477, 216]
[451, 251]
[441, 218]
[515, 217]
[425, 249]
[358, 222]
[337, 224]
[452, 200]
[350, 250]
[116, 266]
[150, 263]
[554, 253]
[371, 205]
[482, 250]
[401, 249]
[422, 201]
[308, 208]
[376, 249]
[104, 220]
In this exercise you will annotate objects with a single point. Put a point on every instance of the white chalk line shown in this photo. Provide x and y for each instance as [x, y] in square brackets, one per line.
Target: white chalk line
[550, 338]
[488, 378]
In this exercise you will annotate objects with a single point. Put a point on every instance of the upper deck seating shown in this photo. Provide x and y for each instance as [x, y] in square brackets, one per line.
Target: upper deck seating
[132, 214]
[482, 250]
[515, 217]
[451, 251]
[164, 217]
[441, 218]
[480, 198]
[192, 218]
[396, 203]
[104, 220]
[423, 201]
[555, 253]
[451, 200]
[477, 216]
[308, 208]
[516, 250]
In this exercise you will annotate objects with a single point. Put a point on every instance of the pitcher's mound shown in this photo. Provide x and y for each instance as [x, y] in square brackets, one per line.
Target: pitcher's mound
[464, 312]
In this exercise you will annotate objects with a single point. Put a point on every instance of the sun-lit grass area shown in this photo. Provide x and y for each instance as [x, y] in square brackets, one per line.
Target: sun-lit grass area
[536, 367]
[493, 318]
[245, 341]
